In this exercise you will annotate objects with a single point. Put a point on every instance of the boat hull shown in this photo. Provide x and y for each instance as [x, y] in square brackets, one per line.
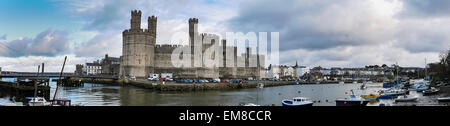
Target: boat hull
[351, 103]
[406, 100]
[286, 104]
[430, 93]
[446, 99]
[386, 97]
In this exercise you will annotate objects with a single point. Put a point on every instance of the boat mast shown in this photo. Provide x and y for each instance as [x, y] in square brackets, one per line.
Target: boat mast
[426, 66]
[60, 81]
[397, 70]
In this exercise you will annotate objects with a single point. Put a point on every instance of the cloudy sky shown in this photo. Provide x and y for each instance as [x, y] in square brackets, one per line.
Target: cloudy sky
[342, 33]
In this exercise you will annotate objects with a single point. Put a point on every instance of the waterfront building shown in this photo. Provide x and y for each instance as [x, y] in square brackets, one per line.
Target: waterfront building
[366, 73]
[79, 70]
[94, 68]
[284, 71]
[110, 65]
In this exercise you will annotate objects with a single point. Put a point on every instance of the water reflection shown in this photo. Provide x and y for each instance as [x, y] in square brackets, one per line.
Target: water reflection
[323, 94]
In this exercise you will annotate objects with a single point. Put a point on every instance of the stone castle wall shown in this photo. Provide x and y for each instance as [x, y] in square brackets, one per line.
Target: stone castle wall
[141, 56]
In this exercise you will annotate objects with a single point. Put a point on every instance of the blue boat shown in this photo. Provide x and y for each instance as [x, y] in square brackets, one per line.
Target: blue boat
[392, 84]
[297, 101]
[386, 97]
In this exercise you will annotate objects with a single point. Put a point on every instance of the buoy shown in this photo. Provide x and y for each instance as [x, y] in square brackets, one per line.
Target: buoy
[220, 104]
[345, 103]
[273, 104]
[279, 93]
[314, 101]
[318, 101]
[345, 92]
[326, 100]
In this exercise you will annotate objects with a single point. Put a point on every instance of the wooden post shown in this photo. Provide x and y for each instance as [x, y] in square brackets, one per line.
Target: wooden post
[42, 69]
[57, 85]
[35, 85]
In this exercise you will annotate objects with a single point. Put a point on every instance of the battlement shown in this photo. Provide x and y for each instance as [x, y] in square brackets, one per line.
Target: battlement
[136, 13]
[135, 31]
[136, 19]
[153, 17]
[193, 20]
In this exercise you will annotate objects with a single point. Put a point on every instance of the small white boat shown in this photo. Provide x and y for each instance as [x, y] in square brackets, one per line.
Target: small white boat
[363, 86]
[444, 99]
[297, 101]
[355, 82]
[341, 82]
[394, 91]
[38, 101]
[260, 85]
[353, 100]
[405, 99]
[247, 104]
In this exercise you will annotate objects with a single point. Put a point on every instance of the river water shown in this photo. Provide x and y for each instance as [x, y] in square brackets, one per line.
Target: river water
[323, 94]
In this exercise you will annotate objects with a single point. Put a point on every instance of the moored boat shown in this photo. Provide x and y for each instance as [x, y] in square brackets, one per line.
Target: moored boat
[385, 96]
[37, 101]
[444, 99]
[363, 86]
[249, 104]
[297, 101]
[353, 100]
[394, 92]
[431, 91]
[371, 97]
[405, 98]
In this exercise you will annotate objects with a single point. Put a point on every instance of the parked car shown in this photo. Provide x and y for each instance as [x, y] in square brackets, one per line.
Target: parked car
[153, 79]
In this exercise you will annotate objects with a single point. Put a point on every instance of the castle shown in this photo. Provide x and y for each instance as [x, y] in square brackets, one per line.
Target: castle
[141, 56]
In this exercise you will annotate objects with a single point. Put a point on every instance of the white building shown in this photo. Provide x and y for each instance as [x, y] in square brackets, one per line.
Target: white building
[302, 71]
[94, 68]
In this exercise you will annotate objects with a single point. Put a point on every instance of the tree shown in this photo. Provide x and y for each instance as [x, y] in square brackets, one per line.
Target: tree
[441, 70]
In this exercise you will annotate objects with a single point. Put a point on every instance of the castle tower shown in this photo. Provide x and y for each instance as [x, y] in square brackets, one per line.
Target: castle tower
[135, 20]
[138, 49]
[193, 30]
[152, 21]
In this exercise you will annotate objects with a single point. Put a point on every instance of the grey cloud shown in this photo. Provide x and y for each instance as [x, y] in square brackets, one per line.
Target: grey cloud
[46, 43]
[114, 15]
[312, 24]
[103, 43]
[425, 8]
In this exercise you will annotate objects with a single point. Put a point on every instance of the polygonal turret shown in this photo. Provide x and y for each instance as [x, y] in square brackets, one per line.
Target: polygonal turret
[136, 19]
[152, 23]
